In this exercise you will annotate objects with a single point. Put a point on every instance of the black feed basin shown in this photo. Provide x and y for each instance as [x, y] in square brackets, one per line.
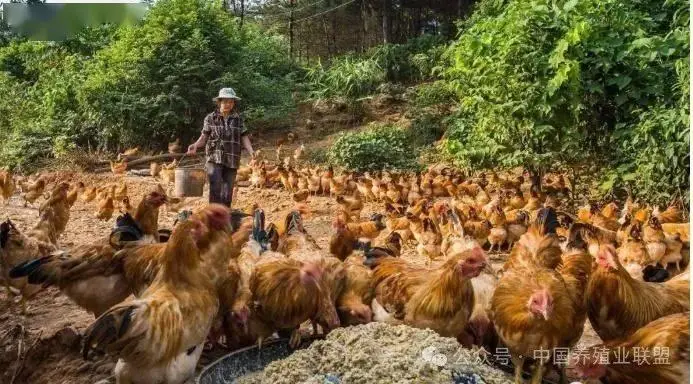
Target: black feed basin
[244, 361]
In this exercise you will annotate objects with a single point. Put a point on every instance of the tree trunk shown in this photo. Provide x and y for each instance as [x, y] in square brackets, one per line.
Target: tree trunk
[291, 29]
[387, 21]
[242, 11]
[334, 28]
[327, 38]
[364, 24]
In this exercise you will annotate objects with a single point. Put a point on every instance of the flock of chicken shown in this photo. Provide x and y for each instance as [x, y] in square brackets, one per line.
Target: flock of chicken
[223, 278]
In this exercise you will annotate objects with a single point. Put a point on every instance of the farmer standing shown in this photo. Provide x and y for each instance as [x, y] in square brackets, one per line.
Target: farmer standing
[223, 132]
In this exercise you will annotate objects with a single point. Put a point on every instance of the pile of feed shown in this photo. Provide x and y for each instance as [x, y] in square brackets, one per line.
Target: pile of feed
[380, 353]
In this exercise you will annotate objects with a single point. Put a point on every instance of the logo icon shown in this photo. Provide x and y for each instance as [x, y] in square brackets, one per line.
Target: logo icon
[430, 356]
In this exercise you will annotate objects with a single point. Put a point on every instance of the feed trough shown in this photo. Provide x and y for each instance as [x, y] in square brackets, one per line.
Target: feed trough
[374, 353]
[227, 369]
[244, 361]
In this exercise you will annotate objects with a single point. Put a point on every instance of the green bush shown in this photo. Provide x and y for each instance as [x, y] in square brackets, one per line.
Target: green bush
[355, 76]
[317, 156]
[379, 147]
[347, 76]
[143, 85]
[435, 93]
[542, 84]
[426, 128]
[162, 74]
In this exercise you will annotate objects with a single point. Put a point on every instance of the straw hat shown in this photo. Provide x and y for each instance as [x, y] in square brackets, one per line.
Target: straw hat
[227, 93]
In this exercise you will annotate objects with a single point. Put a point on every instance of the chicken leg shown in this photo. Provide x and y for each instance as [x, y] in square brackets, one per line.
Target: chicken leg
[260, 339]
[295, 340]
[519, 363]
[22, 301]
[563, 378]
[315, 327]
[8, 288]
[538, 373]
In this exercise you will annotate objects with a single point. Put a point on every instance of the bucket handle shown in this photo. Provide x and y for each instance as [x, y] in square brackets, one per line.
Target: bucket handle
[181, 160]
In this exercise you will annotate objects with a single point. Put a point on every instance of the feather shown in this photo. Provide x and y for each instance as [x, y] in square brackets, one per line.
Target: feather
[109, 327]
[5, 232]
[29, 267]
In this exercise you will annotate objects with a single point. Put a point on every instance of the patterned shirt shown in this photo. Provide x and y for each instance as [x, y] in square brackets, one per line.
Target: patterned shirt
[224, 138]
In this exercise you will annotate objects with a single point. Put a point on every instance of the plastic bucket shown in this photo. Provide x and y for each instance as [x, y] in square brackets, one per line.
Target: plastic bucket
[189, 182]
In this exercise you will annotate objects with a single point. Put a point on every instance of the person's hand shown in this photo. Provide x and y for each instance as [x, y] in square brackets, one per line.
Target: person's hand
[192, 149]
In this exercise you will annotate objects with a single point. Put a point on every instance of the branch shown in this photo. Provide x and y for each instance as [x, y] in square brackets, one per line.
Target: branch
[146, 160]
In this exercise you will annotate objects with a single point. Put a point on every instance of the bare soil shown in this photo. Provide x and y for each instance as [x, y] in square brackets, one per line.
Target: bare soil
[43, 346]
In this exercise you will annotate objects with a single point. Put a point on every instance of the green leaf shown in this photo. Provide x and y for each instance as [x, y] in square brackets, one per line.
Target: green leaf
[569, 5]
[622, 81]
[629, 177]
[621, 98]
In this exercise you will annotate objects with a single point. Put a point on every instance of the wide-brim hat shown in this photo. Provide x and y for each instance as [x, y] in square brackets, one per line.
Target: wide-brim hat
[226, 93]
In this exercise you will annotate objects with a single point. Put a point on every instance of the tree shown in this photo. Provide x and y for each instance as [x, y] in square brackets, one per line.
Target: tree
[387, 21]
[542, 85]
[141, 85]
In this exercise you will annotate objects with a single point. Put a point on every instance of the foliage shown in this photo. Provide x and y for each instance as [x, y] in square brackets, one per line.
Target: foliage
[90, 39]
[328, 29]
[317, 155]
[430, 94]
[112, 87]
[413, 60]
[542, 83]
[426, 128]
[348, 76]
[379, 147]
[355, 76]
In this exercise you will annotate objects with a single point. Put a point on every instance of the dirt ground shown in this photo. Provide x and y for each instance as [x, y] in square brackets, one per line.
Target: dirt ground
[43, 346]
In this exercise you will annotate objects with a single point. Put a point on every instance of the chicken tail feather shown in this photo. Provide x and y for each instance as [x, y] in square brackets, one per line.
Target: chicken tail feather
[547, 220]
[108, 329]
[362, 245]
[579, 235]
[236, 218]
[5, 232]
[32, 269]
[375, 254]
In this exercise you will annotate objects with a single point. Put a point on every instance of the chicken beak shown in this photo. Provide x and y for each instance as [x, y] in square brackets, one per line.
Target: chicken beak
[545, 313]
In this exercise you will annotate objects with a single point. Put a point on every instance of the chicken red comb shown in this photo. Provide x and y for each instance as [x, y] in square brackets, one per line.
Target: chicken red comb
[310, 273]
[217, 215]
[606, 257]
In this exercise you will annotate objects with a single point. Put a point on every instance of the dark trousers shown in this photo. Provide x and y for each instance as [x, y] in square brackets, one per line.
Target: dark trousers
[221, 180]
